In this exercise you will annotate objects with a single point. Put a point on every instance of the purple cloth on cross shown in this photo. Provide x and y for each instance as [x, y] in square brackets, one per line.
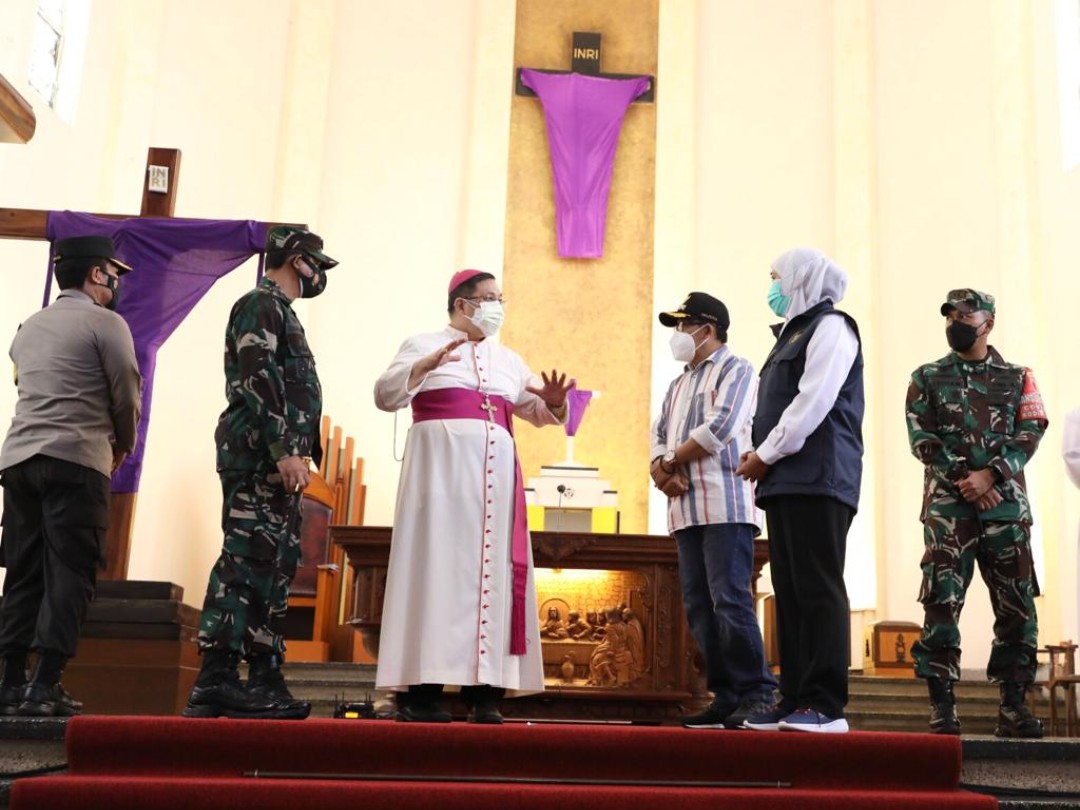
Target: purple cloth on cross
[584, 115]
[175, 263]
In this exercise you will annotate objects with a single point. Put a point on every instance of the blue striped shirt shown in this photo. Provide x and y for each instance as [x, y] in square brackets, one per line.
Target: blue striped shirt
[713, 405]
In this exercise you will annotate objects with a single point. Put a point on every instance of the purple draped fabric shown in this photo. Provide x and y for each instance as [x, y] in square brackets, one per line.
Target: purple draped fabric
[577, 401]
[175, 263]
[584, 115]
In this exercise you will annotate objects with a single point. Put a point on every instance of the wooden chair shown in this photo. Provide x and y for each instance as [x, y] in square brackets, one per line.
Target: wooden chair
[335, 495]
[1062, 675]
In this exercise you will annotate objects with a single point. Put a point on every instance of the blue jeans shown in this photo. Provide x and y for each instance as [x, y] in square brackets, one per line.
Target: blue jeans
[716, 564]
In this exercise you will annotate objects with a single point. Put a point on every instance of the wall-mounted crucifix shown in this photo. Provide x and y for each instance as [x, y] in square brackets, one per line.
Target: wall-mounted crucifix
[583, 110]
[585, 59]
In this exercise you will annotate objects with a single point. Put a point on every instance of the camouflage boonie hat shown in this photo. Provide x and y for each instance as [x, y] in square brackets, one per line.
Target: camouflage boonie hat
[968, 300]
[300, 240]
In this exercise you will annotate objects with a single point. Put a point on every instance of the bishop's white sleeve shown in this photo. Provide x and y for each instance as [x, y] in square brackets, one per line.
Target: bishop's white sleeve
[1071, 445]
[391, 389]
[829, 358]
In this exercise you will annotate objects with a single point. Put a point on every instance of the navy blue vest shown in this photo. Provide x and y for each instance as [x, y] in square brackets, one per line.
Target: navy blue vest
[830, 463]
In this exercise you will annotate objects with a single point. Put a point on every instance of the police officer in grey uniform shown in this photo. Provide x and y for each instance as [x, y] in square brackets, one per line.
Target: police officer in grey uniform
[75, 422]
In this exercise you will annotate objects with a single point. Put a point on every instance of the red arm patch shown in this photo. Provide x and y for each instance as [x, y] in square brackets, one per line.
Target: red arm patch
[1031, 404]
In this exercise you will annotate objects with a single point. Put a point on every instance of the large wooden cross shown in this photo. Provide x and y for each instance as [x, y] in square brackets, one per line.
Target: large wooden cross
[158, 200]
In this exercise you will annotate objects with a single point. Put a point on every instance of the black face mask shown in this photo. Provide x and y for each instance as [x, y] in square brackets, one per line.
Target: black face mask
[309, 288]
[114, 285]
[961, 336]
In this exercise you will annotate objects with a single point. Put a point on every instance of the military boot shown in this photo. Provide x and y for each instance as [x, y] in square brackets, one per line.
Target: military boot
[1014, 717]
[266, 678]
[943, 718]
[219, 693]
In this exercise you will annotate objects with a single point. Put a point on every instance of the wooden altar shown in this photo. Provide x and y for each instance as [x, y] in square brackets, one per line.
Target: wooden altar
[666, 680]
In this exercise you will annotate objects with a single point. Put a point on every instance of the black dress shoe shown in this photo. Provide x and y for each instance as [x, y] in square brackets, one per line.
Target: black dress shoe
[422, 713]
[48, 700]
[10, 698]
[488, 715]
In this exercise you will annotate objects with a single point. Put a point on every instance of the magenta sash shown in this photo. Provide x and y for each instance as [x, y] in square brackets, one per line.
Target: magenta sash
[462, 403]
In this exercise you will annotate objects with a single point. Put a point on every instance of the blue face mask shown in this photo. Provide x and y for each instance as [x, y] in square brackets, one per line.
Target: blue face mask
[778, 302]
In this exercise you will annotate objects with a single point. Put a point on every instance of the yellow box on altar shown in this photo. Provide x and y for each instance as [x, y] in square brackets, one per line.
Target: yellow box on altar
[887, 649]
[598, 520]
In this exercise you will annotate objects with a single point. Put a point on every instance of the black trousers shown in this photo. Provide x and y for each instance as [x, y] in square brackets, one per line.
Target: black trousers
[807, 546]
[55, 515]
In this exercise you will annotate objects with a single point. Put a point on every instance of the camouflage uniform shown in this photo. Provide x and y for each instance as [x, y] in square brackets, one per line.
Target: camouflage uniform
[275, 407]
[965, 416]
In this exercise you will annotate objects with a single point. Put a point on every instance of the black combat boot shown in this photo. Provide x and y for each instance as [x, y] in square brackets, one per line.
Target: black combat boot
[1014, 717]
[483, 702]
[943, 719]
[219, 693]
[266, 678]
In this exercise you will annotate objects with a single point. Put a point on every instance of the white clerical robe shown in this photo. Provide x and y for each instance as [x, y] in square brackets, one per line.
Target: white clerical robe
[446, 613]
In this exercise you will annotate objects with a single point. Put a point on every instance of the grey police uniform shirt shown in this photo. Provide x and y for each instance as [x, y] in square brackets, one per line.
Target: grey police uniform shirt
[79, 385]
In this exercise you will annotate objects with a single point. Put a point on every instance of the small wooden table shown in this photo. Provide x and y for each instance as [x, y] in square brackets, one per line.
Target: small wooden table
[673, 681]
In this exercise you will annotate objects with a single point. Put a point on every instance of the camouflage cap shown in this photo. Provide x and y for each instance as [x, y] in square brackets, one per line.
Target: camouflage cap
[968, 300]
[294, 238]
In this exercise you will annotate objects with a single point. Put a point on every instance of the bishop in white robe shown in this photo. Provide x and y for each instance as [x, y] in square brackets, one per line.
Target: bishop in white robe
[449, 610]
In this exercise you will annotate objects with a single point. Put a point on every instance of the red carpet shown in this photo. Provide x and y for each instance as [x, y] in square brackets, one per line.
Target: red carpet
[124, 763]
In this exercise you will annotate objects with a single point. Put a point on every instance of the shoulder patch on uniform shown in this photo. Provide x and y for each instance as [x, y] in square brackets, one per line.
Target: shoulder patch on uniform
[796, 336]
[1031, 404]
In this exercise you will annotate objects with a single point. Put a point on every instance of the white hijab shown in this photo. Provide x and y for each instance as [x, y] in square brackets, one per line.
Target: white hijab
[808, 277]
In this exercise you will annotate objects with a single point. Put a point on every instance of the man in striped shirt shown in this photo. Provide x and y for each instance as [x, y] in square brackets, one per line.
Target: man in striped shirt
[697, 439]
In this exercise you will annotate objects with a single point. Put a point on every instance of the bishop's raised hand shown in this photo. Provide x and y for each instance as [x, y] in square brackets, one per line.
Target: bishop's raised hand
[440, 357]
[554, 389]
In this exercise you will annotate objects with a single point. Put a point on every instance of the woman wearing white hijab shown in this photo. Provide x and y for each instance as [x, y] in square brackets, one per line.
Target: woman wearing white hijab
[808, 468]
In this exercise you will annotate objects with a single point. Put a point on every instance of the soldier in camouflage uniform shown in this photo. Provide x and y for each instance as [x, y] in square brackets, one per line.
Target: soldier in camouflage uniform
[266, 439]
[975, 421]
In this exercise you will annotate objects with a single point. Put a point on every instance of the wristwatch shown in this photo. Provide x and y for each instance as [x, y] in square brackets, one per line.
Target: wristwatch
[667, 463]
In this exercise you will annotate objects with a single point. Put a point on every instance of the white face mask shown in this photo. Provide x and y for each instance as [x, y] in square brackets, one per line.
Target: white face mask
[683, 345]
[488, 317]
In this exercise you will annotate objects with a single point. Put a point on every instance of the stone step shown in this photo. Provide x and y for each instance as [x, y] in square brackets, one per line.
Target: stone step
[330, 672]
[1024, 774]
[914, 723]
[308, 690]
[30, 745]
[858, 685]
